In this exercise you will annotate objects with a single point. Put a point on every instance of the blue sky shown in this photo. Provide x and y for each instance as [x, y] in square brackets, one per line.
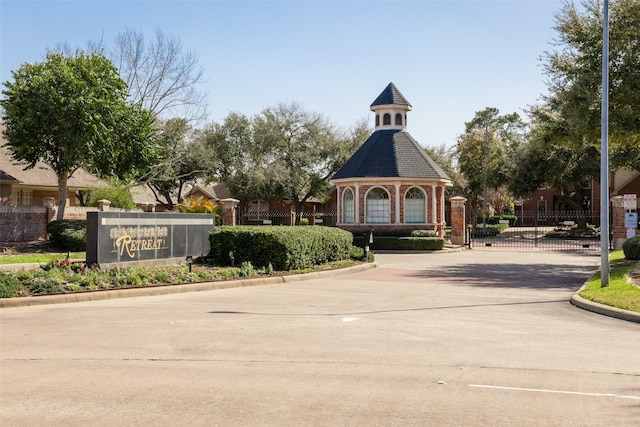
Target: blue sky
[450, 58]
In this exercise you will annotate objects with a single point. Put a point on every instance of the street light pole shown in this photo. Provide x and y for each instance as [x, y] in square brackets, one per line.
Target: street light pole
[484, 177]
[604, 153]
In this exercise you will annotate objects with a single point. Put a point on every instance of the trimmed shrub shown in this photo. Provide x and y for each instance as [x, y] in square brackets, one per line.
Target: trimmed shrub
[286, 248]
[631, 248]
[68, 234]
[403, 243]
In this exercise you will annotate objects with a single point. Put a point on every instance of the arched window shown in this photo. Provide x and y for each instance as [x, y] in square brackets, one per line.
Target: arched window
[377, 206]
[414, 206]
[398, 119]
[386, 119]
[348, 208]
[377, 119]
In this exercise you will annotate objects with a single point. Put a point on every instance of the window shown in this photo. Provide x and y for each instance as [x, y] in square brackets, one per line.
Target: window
[386, 119]
[414, 206]
[399, 119]
[15, 198]
[258, 209]
[348, 211]
[27, 198]
[377, 119]
[377, 206]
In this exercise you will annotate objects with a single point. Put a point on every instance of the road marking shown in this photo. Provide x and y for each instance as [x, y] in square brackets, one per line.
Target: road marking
[541, 390]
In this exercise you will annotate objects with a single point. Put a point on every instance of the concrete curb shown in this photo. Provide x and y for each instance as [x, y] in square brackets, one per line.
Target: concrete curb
[606, 310]
[174, 289]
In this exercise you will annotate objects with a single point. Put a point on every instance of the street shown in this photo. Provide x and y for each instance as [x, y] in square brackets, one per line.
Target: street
[470, 338]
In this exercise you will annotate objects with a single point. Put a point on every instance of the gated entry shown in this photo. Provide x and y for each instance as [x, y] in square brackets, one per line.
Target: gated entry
[549, 231]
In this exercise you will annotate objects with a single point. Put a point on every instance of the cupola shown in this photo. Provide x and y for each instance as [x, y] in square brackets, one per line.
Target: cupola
[391, 109]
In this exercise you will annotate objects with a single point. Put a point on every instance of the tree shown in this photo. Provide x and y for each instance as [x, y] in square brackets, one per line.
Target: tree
[282, 152]
[570, 116]
[486, 153]
[303, 150]
[160, 74]
[72, 112]
[445, 157]
[237, 161]
[183, 161]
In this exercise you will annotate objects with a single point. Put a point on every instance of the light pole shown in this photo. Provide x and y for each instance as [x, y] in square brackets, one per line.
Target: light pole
[484, 176]
[604, 154]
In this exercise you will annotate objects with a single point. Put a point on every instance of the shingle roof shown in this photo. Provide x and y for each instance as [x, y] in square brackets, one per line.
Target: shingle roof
[391, 153]
[41, 175]
[390, 95]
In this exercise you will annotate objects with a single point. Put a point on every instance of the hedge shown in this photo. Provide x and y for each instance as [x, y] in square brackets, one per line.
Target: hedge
[285, 248]
[402, 243]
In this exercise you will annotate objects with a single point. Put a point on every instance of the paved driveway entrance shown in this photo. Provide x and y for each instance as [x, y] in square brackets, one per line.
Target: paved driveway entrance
[465, 338]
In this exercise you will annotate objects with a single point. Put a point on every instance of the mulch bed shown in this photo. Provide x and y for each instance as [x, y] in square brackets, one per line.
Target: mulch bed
[36, 247]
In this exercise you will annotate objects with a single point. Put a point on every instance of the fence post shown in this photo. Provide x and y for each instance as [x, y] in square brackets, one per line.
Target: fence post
[229, 207]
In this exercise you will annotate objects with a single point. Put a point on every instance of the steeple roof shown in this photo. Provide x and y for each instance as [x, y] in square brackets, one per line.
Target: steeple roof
[391, 153]
[391, 96]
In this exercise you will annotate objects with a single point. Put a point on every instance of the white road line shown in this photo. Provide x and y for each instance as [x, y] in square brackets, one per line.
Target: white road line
[540, 390]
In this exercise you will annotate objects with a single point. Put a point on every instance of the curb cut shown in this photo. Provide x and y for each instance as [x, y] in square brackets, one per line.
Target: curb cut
[175, 289]
[605, 310]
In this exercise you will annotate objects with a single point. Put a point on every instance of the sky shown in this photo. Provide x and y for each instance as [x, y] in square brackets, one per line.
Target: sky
[449, 58]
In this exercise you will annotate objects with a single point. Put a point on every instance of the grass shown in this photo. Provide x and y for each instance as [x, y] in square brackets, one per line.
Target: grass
[620, 293]
[38, 258]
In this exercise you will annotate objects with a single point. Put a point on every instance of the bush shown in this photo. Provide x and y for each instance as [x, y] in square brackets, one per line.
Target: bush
[631, 248]
[356, 253]
[70, 235]
[115, 191]
[403, 243]
[286, 248]
[10, 286]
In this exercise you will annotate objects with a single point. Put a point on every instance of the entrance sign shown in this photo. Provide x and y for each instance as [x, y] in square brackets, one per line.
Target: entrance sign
[146, 238]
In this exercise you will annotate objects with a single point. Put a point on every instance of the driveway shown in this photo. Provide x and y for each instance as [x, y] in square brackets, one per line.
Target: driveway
[469, 338]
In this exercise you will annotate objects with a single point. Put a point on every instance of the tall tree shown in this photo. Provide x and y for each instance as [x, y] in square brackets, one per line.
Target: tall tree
[71, 111]
[237, 160]
[570, 115]
[161, 75]
[303, 150]
[283, 152]
[183, 161]
[485, 153]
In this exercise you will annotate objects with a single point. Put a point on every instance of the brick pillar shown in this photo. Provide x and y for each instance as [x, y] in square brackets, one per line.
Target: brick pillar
[458, 226]
[618, 231]
[229, 207]
[49, 203]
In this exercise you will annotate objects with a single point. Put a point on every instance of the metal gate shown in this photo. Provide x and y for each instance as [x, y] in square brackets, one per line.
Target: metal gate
[547, 231]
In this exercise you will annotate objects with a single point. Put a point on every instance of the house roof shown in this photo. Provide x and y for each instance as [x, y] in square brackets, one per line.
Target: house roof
[390, 96]
[214, 190]
[40, 175]
[391, 153]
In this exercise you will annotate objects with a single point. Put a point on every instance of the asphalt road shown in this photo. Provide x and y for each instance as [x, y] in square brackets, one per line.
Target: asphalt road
[469, 338]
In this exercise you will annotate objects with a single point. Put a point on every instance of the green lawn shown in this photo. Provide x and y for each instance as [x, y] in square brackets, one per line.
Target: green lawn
[43, 258]
[619, 293]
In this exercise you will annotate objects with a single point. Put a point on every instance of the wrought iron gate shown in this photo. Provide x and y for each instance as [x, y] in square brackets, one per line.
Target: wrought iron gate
[548, 231]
